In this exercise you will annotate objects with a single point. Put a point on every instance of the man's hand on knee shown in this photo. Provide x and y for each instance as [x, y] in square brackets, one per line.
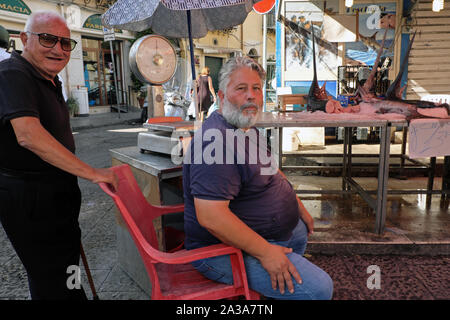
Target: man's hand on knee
[280, 268]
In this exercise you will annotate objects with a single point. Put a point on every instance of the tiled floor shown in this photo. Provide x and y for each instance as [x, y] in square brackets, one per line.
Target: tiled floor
[401, 277]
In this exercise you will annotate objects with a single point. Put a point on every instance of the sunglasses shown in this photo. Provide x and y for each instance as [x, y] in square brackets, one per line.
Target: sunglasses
[49, 41]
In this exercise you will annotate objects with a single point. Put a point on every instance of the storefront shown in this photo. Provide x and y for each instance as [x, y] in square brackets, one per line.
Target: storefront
[13, 14]
[91, 66]
[98, 65]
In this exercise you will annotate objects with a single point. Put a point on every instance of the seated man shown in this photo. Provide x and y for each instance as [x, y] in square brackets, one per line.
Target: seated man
[235, 197]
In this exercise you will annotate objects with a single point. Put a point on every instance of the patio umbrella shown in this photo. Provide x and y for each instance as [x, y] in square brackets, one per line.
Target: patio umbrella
[178, 18]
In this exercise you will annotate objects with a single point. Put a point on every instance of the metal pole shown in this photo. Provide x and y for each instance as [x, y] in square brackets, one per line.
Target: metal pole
[191, 43]
[115, 78]
[264, 56]
[383, 176]
[191, 50]
[431, 172]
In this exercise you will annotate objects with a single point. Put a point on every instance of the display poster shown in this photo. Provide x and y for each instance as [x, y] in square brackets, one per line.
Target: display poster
[300, 18]
[374, 19]
[429, 138]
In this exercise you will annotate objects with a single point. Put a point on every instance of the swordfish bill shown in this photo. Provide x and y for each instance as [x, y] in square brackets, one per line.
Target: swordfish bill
[366, 90]
[395, 91]
[317, 97]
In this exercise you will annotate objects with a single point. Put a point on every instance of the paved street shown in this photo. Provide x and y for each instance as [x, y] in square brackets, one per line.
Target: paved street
[401, 277]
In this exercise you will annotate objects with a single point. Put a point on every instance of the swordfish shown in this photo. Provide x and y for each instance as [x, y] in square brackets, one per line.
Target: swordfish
[393, 102]
[368, 102]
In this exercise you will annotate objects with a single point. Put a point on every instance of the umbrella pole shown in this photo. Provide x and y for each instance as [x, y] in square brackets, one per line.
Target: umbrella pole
[191, 45]
[191, 50]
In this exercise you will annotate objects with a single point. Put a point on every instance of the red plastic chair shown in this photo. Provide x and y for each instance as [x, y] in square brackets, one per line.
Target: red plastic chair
[171, 274]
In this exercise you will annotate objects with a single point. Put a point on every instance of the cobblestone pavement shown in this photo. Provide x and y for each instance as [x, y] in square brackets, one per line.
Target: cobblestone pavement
[400, 277]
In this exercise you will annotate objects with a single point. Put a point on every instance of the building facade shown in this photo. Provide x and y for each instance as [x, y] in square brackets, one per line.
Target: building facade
[245, 39]
[92, 64]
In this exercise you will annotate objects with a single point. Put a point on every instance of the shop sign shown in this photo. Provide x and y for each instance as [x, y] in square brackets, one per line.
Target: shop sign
[95, 22]
[264, 6]
[16, 6]
[109, 34]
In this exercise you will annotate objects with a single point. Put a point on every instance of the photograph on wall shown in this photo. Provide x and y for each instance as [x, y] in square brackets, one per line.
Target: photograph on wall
[374, 19]
[300, 18]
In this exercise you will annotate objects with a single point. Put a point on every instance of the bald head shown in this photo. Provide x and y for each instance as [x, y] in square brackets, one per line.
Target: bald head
[42, 17]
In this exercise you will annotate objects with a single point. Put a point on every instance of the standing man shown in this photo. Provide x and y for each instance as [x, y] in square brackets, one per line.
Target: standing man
[4, 43]
[39, 194]
[232, 201]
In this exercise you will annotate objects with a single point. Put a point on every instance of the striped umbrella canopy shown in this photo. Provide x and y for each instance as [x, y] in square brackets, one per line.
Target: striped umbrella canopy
[168, 17]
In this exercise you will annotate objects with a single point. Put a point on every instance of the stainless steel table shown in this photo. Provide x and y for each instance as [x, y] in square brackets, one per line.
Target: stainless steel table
[348, 121]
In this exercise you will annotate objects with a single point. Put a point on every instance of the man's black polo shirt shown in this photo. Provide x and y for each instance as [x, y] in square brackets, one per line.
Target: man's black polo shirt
[24, 92]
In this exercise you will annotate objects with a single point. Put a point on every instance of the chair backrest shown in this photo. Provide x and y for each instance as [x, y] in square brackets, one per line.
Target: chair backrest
[183, 282]
[133, 205]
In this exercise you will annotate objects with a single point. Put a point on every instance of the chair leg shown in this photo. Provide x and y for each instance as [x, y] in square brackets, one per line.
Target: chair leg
[254, 295]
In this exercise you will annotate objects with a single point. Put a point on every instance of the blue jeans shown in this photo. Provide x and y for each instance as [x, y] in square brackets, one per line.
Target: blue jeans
[316, 283]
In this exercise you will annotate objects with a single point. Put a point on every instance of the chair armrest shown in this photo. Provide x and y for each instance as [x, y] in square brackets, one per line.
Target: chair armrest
[185, 256]
[162, 210]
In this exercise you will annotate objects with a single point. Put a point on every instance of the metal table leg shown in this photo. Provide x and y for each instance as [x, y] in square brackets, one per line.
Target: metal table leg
[280, 148]
[446, 178]
[344, 159]
[383, 176]
[403, 152]
[349, 155]
[431, 171]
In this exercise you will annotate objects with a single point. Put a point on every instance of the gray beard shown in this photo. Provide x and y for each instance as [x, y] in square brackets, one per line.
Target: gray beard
[234, 116]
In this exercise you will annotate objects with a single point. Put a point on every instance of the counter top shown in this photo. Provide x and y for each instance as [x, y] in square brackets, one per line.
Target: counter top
[322, 119]
[153, 163]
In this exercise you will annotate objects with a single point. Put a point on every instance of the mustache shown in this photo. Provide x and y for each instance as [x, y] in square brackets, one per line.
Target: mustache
[248, 105]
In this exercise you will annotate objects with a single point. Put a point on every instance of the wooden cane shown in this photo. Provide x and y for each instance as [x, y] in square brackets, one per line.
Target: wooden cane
[88, 273]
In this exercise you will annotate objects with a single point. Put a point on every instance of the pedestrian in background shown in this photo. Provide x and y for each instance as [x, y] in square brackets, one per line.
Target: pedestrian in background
[205, 92]
[39, 194]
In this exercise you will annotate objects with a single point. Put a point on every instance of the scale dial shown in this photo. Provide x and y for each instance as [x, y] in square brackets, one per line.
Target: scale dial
[156, 59]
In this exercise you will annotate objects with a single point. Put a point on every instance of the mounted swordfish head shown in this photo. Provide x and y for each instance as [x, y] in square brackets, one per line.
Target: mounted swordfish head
[366, 91]
[317, 96]
[395, 91]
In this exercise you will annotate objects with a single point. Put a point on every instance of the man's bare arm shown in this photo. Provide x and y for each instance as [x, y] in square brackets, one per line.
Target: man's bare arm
[33, 136]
